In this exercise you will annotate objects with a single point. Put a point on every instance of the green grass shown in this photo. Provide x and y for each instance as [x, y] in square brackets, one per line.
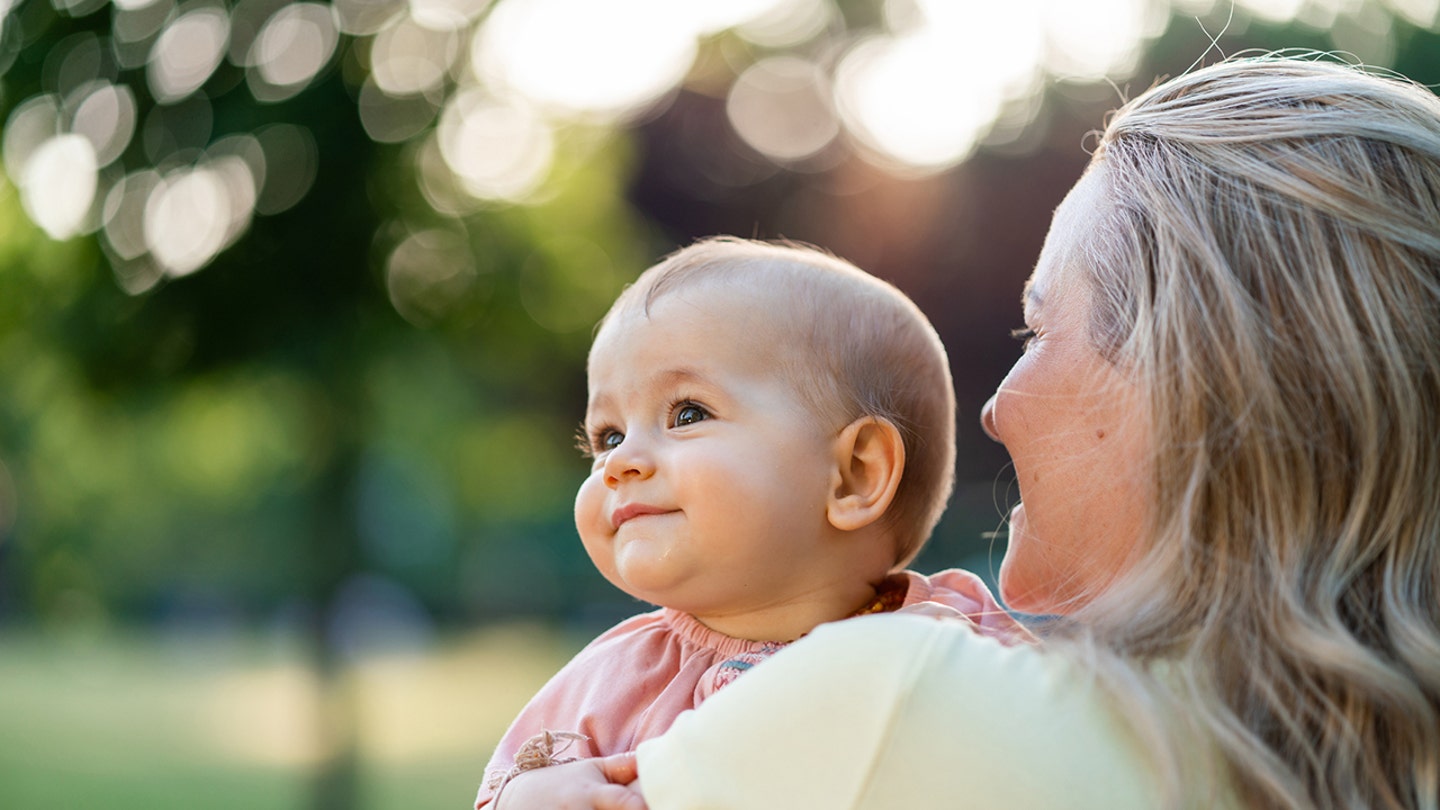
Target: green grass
[123, 721]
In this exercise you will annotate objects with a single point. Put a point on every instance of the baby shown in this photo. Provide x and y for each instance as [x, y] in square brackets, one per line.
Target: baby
[773, 440]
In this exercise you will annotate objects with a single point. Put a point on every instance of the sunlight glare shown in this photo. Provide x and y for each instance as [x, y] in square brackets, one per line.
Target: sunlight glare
[788, 23]
[926, 99]
[58, 185]
[447, 15]
[1095, 39]
[1278, 11]
[607, 58]
[712, 17]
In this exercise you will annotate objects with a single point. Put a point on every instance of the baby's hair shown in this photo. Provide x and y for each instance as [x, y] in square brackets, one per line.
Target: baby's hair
[854, 346]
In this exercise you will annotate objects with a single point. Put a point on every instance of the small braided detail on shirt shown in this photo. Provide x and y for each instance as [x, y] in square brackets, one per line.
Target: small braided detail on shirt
[542, 750]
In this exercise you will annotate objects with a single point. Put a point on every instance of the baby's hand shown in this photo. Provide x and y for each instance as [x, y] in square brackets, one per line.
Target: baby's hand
[601, 783]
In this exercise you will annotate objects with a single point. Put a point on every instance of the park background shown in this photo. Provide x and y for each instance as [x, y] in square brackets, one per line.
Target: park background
[295, 300]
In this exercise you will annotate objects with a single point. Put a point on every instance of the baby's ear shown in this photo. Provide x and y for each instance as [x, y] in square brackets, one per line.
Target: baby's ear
[869, 461]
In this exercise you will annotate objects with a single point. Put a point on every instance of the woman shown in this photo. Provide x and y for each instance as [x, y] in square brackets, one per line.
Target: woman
[1226, 429]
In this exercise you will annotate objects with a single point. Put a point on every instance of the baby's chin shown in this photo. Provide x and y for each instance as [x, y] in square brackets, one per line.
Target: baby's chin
[649, 572]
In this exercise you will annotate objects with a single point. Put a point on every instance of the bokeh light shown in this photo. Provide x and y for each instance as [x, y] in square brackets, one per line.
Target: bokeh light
[195, 212]
[292, 160]
[407, 58]
[447, 15]
[782, 107]
[786, 23]
[1272, 10]
[484, 90]
[1099, 38]
[356, 250]
[393, 119]
[290, 50]
[187, 52]
[133, 24]
[105, 115]
[430, 274]
[925, 96]
[58, 185]
[499, 150]
[607, 58]
[32, 123]
[124, 214]
[365, 17]
[1421, 13]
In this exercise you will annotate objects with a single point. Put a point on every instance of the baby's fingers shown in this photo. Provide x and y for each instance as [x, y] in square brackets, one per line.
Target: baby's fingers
[618, 768]
[617, 797]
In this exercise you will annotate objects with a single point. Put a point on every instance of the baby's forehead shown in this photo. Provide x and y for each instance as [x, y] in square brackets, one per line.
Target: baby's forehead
[730, 324]
[747, 303]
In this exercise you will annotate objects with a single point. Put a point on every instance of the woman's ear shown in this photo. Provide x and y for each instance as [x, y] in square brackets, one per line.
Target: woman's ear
[869, 461]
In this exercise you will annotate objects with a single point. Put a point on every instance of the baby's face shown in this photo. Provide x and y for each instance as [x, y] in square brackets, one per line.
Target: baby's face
[708, 489]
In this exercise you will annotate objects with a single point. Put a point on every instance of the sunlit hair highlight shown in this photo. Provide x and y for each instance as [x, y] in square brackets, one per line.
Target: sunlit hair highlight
[1268, 269]
[852, 344]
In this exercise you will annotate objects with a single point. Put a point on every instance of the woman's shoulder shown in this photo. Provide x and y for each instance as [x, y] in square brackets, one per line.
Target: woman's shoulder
[896, 710]
[1034, 728]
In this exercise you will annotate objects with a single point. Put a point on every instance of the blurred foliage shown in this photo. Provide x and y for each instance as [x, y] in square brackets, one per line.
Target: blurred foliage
[238, 443]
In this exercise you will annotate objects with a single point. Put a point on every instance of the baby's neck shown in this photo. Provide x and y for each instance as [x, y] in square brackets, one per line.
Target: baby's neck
[790, 619]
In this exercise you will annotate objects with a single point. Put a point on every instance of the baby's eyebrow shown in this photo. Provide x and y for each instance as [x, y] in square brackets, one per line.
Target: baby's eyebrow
[681, 374]
[661, 379]
[596, 402]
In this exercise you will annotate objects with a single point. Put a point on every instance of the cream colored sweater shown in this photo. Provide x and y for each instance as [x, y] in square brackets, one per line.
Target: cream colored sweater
[897, 711]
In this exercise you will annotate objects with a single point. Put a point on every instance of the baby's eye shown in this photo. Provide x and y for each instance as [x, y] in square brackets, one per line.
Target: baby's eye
[594, 442]
[1025, 335]
[688, 413]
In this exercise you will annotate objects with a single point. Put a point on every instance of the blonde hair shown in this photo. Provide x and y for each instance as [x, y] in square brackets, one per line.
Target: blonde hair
[854, 346]
[1269, 270]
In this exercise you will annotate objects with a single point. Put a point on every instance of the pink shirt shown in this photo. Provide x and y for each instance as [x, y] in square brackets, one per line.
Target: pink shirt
[629, 684]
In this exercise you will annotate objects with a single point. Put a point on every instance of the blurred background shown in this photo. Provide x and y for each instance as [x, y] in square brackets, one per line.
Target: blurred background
[295, 299]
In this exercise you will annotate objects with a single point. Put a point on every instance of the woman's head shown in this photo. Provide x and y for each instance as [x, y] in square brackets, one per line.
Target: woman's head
[1268, 270]
[1265, 270]
[1075, 426]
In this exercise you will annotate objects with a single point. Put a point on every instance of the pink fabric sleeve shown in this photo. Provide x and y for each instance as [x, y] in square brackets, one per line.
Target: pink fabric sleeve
[966, 592]
[624, 687]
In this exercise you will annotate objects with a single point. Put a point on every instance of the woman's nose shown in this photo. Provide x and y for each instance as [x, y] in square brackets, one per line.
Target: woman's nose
[987, 418]
[629, 460]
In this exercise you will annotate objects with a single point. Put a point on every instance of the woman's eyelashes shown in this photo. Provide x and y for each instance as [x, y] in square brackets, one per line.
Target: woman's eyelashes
[1025, 335]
